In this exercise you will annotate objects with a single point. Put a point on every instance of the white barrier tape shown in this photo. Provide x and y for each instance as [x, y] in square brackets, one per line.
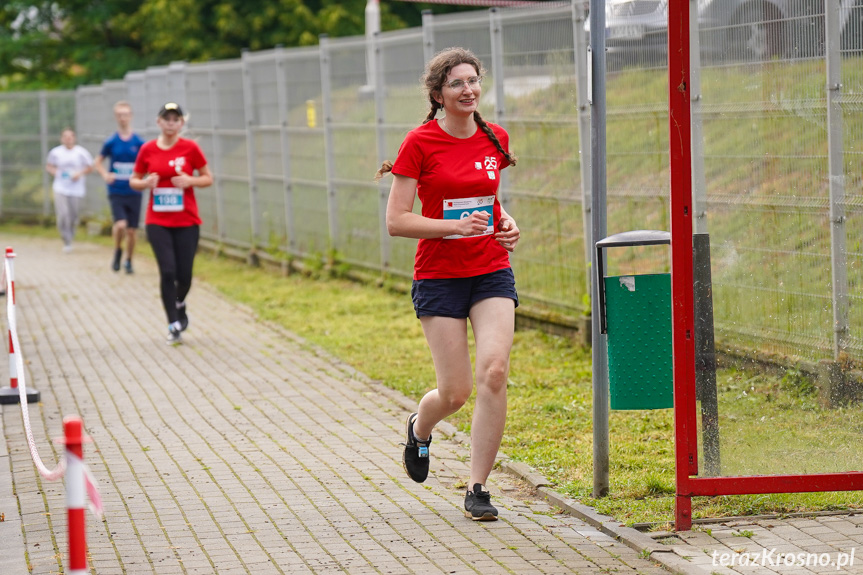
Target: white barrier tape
[93, 495]
[48, 474]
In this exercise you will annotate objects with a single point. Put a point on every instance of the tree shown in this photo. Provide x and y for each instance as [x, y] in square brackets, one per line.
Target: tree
[65, 43]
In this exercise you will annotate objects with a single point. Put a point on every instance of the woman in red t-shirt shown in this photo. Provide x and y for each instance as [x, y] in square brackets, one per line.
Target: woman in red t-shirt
[462, 268]
[166, 167]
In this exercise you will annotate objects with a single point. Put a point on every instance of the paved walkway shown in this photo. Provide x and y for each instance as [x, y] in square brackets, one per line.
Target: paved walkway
[243, 451]
[247, 450]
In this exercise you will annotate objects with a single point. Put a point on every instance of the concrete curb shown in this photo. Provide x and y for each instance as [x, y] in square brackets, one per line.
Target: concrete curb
[630, 537]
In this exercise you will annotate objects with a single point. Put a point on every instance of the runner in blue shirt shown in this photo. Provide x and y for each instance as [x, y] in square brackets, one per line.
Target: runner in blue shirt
[122, 149]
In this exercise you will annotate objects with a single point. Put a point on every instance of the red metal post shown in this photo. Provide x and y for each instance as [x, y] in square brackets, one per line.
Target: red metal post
[683, 313]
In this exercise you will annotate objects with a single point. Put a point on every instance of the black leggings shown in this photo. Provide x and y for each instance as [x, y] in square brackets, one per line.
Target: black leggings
[175, 253]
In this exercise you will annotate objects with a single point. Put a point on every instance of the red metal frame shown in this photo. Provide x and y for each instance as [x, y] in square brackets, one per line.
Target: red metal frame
[683, 315]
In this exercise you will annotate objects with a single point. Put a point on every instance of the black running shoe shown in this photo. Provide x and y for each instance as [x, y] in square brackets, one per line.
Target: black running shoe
[477, 504]
[127, 265]
[182, 317]
[416, 455]
[115, 263]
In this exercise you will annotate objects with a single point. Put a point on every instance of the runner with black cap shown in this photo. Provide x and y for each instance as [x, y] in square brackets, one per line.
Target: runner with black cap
[166, 167]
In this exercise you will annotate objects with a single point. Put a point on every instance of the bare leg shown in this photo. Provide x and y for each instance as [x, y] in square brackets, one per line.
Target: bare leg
[118, 231]
[447, 340]
[131, 237]
[493, 323]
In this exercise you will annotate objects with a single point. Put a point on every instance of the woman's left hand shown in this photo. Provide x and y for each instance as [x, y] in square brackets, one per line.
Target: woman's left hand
[182, 181]
[508, 235]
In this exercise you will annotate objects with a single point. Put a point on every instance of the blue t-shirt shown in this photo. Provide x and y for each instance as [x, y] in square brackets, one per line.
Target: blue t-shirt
[122, 154]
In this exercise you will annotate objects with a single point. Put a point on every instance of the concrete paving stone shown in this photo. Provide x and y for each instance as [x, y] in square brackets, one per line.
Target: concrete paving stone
[304, 477]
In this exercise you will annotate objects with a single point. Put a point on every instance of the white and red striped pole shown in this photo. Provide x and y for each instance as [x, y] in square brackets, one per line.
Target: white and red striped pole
[76, 494]
[13, 370]
[11, 394]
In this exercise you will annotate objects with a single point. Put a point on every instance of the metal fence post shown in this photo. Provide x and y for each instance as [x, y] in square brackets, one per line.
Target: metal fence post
[835, 152]
[285, 140]
[43, 141]
[598, 183]
[329, 152]
[580, 56]
[428, 35]
[496, 30]
[251, 157]
[381, 137]
[705, 345]
[699, 185]
[217, 152]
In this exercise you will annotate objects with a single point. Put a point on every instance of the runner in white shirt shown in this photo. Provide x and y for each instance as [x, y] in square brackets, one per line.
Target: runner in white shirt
[68, 163]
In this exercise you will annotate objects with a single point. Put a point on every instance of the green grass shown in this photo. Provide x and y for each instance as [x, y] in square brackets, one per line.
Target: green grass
[549, 424]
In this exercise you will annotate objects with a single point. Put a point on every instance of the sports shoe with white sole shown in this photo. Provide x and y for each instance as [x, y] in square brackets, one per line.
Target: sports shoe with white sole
[477, 504]
[416, 454]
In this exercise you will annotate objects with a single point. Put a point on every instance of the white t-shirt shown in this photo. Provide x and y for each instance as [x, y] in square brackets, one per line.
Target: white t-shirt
[67, 162]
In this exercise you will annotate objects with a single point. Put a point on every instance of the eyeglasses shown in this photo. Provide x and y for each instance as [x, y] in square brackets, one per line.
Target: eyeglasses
[458, 84]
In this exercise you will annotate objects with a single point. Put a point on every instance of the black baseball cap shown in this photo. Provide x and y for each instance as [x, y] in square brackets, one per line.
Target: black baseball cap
[170, 107]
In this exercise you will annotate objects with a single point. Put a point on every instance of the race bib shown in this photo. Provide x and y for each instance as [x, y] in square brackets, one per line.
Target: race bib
[123, 170]
[167, 200]
[459, 209]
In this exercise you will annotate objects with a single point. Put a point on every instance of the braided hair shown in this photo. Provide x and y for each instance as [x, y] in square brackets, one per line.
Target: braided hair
[434, 79]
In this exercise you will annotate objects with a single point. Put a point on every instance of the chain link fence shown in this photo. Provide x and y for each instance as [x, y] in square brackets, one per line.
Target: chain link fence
[294, 137]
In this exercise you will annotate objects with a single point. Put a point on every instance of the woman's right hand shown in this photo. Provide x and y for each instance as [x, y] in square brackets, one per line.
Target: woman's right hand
[473, 225]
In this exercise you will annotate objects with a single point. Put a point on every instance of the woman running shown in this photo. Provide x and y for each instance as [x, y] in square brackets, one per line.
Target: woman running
[68, 163]
[166, 166]
[462, 269]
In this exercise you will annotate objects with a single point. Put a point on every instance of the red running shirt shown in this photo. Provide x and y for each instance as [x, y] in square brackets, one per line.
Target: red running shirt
[454, 177]
[174, 207]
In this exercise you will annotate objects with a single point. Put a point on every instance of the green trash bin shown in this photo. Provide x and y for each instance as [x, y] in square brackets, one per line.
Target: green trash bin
[636, 317]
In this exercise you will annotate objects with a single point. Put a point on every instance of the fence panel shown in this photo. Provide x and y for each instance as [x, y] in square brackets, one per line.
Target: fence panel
[544, 190]
[30, 123]
[765, 134]
[304, 151]
[357, 237]
[405, 107]
[294, 137]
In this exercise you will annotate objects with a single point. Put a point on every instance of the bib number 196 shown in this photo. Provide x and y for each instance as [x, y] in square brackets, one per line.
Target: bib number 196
[167, 200]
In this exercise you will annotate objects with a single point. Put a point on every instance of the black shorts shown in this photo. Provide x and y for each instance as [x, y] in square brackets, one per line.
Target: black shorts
[454, 297]
[126, 207]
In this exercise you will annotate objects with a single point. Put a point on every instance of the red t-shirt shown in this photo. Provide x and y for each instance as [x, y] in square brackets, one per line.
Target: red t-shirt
[169, 206]
[455, 177]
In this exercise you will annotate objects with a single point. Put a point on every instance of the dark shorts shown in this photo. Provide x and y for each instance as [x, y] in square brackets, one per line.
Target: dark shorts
[454, 297]
[126, 207]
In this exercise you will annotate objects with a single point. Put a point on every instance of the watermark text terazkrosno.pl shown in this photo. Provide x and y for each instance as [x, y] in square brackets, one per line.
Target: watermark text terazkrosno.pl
[773, 558]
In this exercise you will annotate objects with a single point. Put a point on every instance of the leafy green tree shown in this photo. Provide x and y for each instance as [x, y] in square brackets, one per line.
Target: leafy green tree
[64, 43]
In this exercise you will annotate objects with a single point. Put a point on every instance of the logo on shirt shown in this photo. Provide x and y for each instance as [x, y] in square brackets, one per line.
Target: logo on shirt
[490, 166]
[177, 164]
